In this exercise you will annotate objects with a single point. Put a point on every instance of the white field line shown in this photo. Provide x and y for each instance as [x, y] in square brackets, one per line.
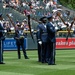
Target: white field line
[11, 73]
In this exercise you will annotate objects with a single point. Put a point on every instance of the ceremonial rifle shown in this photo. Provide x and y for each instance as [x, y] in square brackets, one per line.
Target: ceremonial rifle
[30, 27]
[11, 20]
[68, 27]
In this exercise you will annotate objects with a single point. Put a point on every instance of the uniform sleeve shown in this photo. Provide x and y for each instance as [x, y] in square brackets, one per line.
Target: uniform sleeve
[51, 28]
[38, 34]
[1, 28]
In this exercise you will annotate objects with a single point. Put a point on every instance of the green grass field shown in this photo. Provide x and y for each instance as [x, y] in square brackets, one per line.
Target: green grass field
[65, 64]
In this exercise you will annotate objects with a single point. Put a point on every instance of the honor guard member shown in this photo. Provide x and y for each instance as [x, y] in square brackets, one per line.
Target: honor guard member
[51, 40]
[38, 45]
[19, 37]
[42, 38]
[1, 39]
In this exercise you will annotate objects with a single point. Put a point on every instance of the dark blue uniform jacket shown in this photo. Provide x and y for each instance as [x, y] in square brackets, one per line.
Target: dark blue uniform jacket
[42, 33]
[51, 32]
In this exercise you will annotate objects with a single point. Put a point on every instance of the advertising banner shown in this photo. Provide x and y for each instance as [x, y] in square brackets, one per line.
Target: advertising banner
[61, 43]
[10, 44]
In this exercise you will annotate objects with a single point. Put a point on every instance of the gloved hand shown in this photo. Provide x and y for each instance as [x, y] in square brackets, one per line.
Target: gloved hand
[40, 42]
[32, 30]
[5, 31]
[59, 29]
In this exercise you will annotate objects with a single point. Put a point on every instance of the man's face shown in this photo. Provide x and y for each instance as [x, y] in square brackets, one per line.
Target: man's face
[44, 21]
[50, 19]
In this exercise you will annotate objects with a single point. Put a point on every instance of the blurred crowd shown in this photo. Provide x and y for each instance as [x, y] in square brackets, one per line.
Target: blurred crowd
[9, 27]
[33, 7]
[37, 9]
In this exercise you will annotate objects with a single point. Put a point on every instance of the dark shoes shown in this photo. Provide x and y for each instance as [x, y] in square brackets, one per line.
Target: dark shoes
[2, 63]
[26, 57]
[44, 61]
[52, 64]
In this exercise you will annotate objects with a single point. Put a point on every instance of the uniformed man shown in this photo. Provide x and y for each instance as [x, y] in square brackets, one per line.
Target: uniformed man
[51, 40]
[1, 39]
[38, 45]
[42, 38]
[19, 37]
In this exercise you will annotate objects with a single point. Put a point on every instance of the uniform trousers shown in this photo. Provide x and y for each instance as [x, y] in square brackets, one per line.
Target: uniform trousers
[44, 51]
[39, 52]
[20, 43]
[1, 51]
[51, 53]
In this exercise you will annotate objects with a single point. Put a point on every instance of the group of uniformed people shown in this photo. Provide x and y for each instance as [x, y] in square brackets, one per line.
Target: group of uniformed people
[46, 40]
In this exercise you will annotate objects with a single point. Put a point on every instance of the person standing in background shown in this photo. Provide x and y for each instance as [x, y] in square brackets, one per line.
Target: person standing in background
[19, 37]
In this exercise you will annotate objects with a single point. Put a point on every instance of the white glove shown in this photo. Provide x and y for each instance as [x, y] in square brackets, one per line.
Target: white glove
[5, 31]
[40, 42]
[32, 30]
[56, 28]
